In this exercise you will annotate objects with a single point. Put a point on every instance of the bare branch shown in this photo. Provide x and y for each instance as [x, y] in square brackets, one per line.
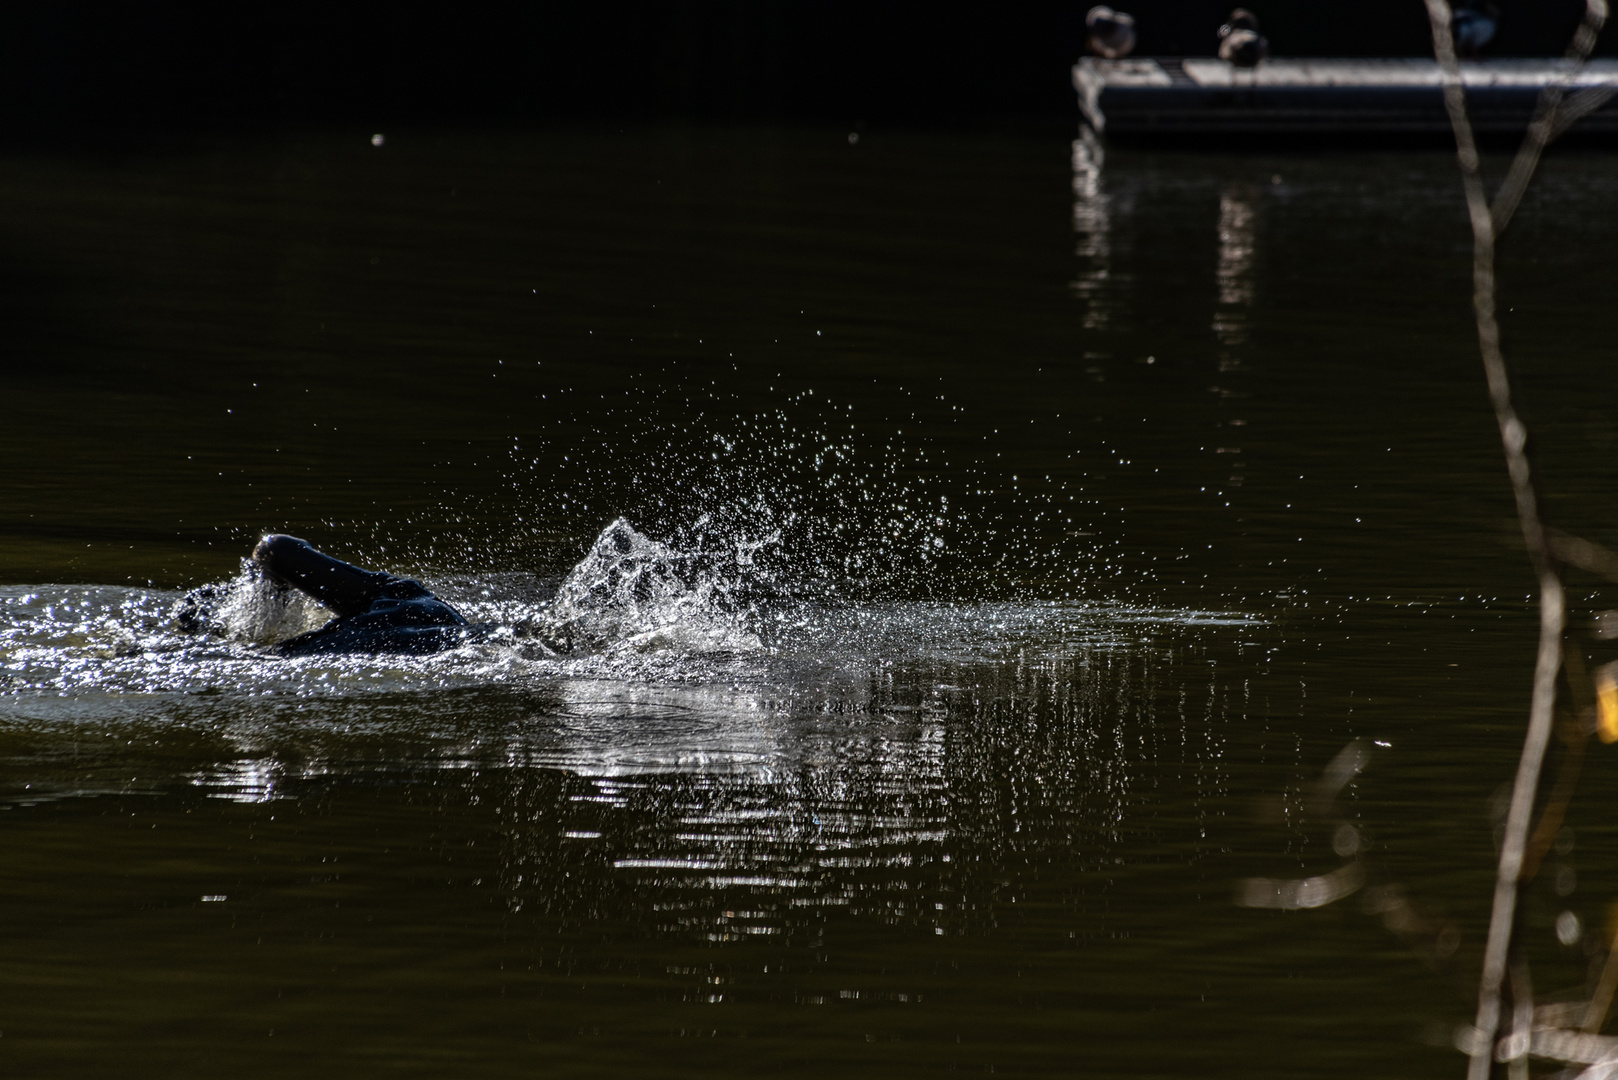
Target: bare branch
[1585, 555]
[1292, 894]
[1349, 763]
[1575, 735]
[1552, 115]
[1573, 1047]
[1466, 146]
[1514, 441]
[1595, 1017]
[1579, 105]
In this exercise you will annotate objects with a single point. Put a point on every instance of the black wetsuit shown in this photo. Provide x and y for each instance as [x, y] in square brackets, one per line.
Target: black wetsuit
[376, 612]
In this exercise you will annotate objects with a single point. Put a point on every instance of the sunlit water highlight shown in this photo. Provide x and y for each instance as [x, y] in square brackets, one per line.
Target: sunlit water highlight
[668, 670]
[816, 738]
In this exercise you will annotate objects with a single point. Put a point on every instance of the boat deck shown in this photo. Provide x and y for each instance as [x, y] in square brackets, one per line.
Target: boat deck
[1202, 94]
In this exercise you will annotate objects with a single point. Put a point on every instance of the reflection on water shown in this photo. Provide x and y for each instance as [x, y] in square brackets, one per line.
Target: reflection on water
[1234, 275]
[968, 640]
[881, 798]
[249, 780]
[1092, 221]
[866, 761]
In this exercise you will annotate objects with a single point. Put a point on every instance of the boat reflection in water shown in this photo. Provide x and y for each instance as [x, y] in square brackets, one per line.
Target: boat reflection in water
[1092, 222]
[1234, 275]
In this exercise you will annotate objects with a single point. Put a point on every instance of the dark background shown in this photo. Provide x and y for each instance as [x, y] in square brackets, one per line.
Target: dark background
[77, 70]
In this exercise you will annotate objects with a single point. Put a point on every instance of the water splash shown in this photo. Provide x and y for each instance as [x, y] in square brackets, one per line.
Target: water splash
[254, 609]
[632, 592]
[634, 612]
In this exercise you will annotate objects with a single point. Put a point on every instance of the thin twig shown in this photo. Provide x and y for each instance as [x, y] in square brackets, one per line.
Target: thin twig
[1595, 1017]
[1585, 555]
[1576, 735]
[1551, 115]
[1514, 441]
[1578, 106]
[1521, 1039]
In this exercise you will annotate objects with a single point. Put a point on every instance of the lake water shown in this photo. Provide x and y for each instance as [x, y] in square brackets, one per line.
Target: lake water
[1032, 525]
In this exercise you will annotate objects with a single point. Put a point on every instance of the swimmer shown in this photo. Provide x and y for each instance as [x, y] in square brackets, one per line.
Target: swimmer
[376, 612]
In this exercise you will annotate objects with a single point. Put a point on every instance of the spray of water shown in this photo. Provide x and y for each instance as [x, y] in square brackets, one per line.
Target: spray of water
[872, 500]
[632, 591]
[251, 609]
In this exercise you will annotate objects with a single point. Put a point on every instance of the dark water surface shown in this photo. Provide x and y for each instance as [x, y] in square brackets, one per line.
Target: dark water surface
[1027, 529]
